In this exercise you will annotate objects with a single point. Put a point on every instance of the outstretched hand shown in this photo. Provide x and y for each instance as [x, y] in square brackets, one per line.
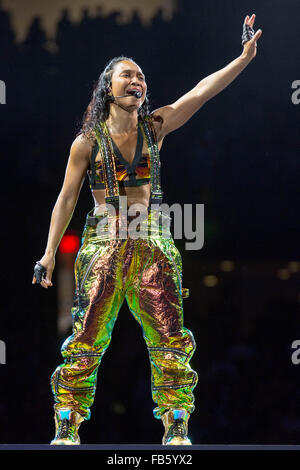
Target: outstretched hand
[251, 45]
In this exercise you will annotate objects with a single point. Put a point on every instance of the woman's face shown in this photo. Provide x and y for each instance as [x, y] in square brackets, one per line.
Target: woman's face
[128, 76]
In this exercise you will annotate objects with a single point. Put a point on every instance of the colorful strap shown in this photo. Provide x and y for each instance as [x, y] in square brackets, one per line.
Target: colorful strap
[110, 177]
[156, 195]
[92, 172]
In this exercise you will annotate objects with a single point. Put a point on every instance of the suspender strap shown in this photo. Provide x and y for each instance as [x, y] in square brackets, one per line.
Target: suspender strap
[92, 174]
[110, 177]
[156, 195]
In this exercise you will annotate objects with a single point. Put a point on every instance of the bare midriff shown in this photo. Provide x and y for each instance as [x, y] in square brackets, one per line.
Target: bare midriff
[135, 195]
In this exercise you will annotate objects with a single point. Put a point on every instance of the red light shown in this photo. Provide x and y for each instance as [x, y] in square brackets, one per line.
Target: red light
[69, 244]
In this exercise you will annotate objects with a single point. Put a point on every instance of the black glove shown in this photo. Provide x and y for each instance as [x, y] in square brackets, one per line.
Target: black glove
[39, 271]
[248, 33]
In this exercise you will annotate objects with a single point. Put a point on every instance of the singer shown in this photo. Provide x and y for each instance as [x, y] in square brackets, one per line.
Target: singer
[118, 149]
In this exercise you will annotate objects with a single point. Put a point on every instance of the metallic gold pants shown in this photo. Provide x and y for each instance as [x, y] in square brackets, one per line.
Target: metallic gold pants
[147, 272]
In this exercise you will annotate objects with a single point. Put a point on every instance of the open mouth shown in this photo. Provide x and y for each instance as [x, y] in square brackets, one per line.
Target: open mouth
[131, 91]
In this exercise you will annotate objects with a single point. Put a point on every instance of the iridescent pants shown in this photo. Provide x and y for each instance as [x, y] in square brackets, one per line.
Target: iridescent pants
[147, 272]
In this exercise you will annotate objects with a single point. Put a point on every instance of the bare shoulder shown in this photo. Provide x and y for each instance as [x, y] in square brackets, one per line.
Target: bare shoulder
[81, 147]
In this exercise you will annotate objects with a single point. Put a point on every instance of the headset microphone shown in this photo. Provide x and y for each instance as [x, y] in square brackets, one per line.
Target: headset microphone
[137, 94]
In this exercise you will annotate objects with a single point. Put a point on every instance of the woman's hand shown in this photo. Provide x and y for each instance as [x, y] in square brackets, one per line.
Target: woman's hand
[47, 262]
[250, 46]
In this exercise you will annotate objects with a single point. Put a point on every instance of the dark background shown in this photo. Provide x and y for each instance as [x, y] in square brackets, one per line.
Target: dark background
[239, 155]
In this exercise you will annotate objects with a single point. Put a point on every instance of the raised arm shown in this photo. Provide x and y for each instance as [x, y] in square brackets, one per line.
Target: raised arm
[65, 204]
[178, 113]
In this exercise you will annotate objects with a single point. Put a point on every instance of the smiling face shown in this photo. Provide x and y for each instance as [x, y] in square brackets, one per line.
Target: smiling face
[128, 76]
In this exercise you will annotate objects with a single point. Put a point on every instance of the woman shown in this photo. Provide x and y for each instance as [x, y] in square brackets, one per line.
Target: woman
[119, 147]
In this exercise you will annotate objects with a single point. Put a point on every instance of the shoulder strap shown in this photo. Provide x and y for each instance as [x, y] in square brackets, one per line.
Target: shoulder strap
[92, 173]
[156, 195]
[110, 177]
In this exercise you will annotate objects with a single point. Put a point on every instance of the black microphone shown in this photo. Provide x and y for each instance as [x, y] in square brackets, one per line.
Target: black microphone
[137, 94]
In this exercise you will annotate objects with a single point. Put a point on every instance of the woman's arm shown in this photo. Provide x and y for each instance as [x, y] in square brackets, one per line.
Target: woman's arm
[65, 204]
[178, 113]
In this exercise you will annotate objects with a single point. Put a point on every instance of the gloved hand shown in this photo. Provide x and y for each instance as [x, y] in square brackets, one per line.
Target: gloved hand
[43, 271]
[39, 271]
[250, 37]
[248, 33]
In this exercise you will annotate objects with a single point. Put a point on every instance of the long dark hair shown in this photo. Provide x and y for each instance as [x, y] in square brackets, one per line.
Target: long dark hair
[98, 108]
